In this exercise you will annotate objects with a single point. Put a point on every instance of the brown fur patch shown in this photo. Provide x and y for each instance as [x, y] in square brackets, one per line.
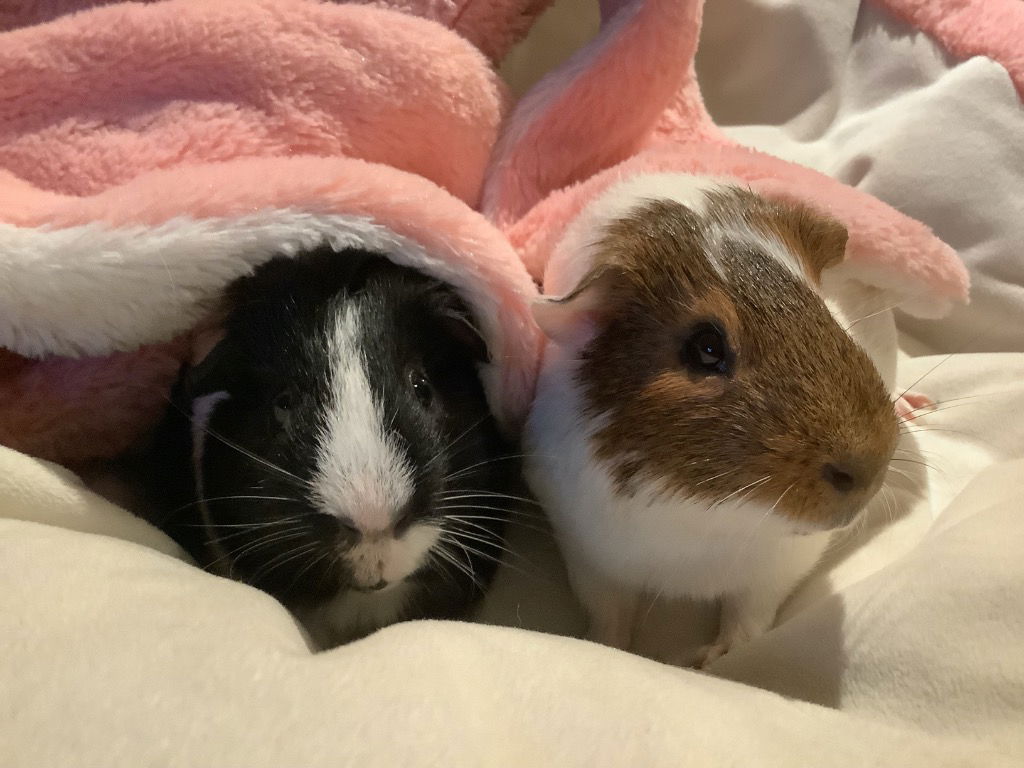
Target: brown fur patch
[817, 240]
[801, 393]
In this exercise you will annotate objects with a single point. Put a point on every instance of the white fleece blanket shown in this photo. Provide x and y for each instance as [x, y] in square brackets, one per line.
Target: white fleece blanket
[904, 649]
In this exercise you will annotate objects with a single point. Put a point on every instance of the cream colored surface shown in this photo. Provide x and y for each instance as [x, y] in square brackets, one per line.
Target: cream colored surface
[117, 653]
[904, 649]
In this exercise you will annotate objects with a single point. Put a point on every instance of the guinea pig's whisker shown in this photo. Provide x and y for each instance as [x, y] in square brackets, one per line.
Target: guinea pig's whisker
[880, 311]
[934, 406]
[512, 521]
[522, 519]
[470, 471]
[915, 461]
[258, 459]
[315, 561]
[244, 549]
[510, 506]
[490, 539]
[899, 473]
[460, 494]
[892, 506]
[476, 526]
[946, 359]
[752, 486]
[231, 498]
[506, 457]
[451, 443]
[231, 444]
[447, 507]
[448, 557]
[258, 524]
[915, 451]
[446, 538]
[434, 558]
[713, 477]
[223, 537]
[284, 558]
[471, 550]
[260, 543]
[960, 432]
[932, 411]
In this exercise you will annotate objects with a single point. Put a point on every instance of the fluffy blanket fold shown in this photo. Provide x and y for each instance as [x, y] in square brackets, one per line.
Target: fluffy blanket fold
[637, 81]
[150, 158]
[493, 26]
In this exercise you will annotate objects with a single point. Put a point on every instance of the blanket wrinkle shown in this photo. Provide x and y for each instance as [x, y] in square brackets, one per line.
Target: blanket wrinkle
[548, 165]
[127, 177]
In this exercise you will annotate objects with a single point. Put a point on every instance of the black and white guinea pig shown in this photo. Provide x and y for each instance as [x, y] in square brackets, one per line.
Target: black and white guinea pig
[335, 448]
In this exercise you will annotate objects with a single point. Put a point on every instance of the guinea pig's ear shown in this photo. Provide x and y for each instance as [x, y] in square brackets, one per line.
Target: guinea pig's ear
[575, 318]
[460, 325]
[208, 370]
[818, 239]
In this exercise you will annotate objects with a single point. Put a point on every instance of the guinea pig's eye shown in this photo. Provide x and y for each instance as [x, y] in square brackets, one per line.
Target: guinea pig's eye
[421, 387]
[283, 408]
[706, 350]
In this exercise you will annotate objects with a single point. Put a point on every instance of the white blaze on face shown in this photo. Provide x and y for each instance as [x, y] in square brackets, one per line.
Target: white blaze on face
[361, 473]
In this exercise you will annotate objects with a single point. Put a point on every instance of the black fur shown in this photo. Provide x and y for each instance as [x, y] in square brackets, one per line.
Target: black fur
[274, 364]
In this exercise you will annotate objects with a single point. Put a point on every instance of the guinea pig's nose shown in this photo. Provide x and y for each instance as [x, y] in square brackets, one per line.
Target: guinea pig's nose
[841, 476]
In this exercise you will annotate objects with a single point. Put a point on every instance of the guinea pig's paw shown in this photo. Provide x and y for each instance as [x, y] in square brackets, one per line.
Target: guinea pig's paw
[683, 657]
[913, 404]
[709, 654]
[732, 635]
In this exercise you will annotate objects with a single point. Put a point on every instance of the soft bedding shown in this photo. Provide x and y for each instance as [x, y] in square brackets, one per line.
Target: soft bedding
[902, 649]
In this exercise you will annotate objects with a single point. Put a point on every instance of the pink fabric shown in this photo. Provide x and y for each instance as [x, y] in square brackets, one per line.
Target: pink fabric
[93, 99]
[493, 26]
[992, 28]
[146, 119]
[551, 160]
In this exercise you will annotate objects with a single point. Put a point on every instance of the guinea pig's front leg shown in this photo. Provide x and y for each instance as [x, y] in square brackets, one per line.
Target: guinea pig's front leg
[610, 607]
[749, 613]
[744, 616]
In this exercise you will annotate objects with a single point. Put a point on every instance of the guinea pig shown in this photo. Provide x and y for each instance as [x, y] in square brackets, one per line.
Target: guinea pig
[703, 423]
[335, 449]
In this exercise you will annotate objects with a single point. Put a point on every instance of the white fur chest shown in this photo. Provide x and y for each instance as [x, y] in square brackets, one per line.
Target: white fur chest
[648, 540]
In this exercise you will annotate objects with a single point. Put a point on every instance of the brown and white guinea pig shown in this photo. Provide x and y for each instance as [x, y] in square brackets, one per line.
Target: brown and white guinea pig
[335, 446]
[703, 421]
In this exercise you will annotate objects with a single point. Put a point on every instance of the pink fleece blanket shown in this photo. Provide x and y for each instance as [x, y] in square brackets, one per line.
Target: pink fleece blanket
[629, 104]
[150, 154]
[493, 26]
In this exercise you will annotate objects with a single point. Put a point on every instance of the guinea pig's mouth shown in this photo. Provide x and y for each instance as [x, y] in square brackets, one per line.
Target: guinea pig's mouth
[832, 520]
[380, 586]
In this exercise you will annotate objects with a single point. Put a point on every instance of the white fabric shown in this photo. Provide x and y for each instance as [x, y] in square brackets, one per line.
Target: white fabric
[904, 649]
[849, 90]
[118, 653]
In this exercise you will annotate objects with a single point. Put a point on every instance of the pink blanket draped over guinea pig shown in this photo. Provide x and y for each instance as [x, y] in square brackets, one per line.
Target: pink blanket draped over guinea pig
[629, 104]
[152, 153]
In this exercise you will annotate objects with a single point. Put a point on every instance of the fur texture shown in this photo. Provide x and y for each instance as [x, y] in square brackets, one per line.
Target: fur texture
[339, 441]
[708, 471]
